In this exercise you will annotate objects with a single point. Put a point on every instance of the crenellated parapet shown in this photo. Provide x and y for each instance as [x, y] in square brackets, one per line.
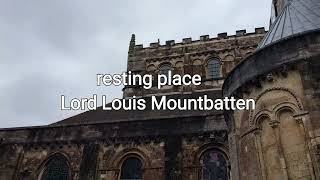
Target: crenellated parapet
[202, 38]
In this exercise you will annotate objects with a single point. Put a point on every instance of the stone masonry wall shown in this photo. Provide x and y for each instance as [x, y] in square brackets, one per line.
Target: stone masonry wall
[191, 57]
[169, 151]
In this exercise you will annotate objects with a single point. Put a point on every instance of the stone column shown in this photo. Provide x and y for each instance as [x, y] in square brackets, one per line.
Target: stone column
[257, 135]
[275, 125]
[233, 139]
[300, 121]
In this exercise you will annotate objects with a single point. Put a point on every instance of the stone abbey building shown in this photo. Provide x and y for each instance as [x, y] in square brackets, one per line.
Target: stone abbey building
[278, 140]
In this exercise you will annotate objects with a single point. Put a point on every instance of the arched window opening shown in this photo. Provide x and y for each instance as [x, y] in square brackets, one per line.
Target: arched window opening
[131, 169]
[214, 68]
[56, 169]
[214, 166]
[164, 69]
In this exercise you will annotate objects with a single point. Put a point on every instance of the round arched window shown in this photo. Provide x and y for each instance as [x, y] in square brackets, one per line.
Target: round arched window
[164, 69]
[56, 168]
[214, 166]
[214, 68]
[131, 169]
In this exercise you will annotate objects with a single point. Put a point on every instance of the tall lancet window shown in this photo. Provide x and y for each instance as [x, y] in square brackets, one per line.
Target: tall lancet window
[214, 68]
[131, 169]
[56, 169]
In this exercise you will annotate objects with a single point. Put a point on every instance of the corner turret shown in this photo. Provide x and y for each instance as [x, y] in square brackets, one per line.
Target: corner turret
[132, 43]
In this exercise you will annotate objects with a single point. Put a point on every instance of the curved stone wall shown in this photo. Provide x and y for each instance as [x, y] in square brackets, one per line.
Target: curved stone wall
[284, 52]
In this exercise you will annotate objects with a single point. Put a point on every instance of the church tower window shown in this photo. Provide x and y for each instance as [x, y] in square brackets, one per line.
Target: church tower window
[164, 69]
[214, 68]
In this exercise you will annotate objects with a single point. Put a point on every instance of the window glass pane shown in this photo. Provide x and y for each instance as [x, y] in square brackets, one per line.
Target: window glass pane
[214, 68]
[131, 169]
[164, 69]
[214, 166]
[56, 169]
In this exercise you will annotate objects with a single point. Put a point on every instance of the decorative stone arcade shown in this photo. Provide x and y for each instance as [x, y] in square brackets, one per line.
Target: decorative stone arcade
[279, 139]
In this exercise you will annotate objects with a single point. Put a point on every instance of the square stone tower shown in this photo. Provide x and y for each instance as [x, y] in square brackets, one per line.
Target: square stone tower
[211, 58]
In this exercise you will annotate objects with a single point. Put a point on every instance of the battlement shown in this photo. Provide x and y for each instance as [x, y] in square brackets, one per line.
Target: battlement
[203, 38]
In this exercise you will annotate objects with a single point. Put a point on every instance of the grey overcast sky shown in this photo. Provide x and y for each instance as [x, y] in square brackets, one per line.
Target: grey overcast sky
[54, 47]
